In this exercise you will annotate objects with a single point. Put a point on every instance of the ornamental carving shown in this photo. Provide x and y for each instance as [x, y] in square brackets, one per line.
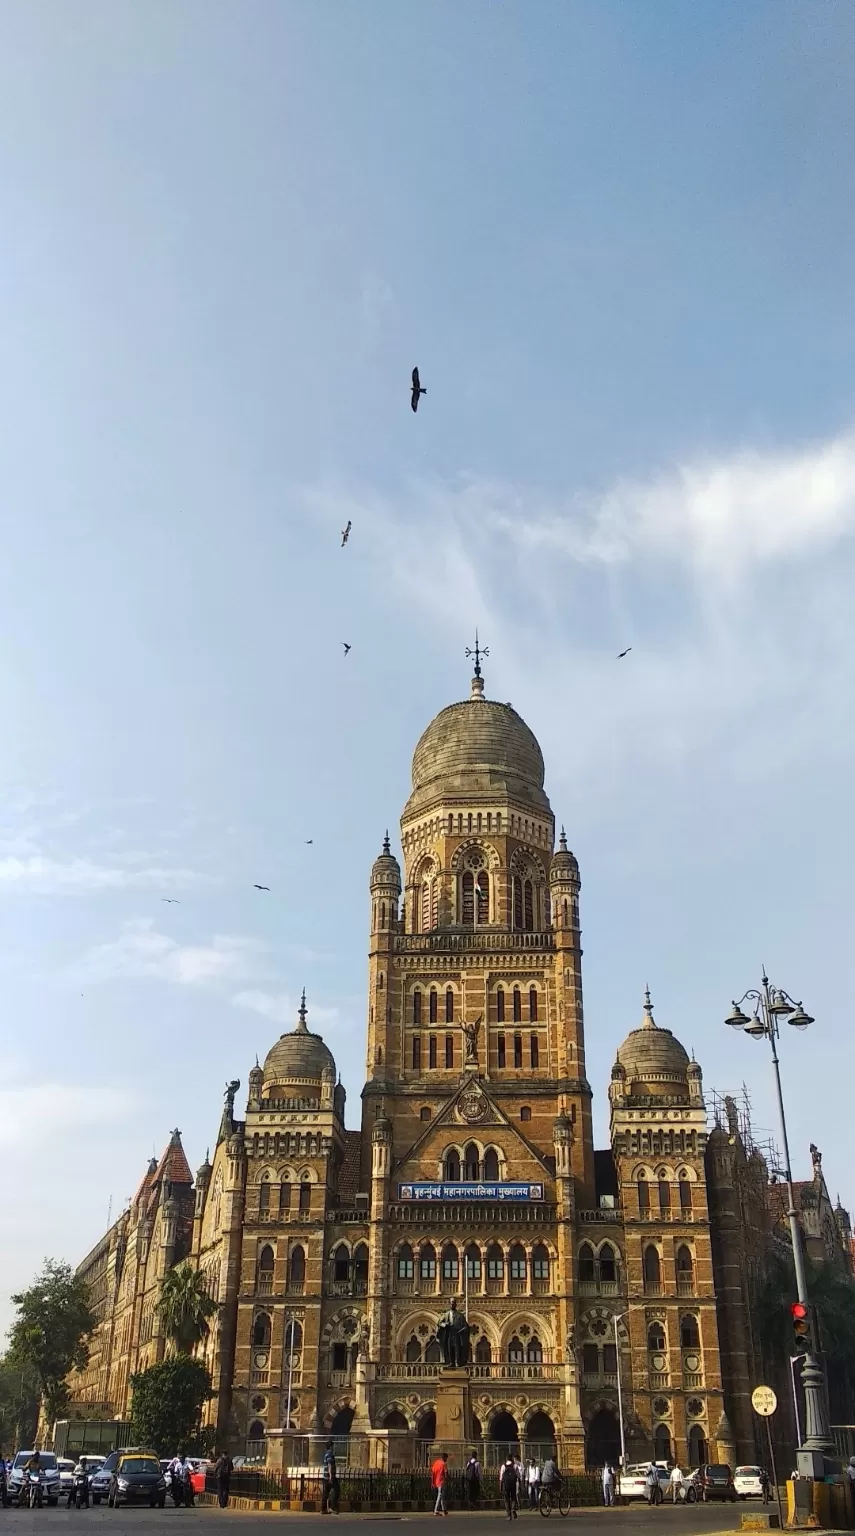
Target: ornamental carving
[472, 1105]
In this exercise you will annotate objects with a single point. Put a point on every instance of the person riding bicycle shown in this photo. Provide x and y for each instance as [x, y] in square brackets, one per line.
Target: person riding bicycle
[550, 1477]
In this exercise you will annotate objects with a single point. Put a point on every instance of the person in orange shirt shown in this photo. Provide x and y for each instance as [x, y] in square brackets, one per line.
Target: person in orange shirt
[438, 1475]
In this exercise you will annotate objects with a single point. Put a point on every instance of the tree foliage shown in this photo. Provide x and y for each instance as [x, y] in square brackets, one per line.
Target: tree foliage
[166, 1410]
[831, 1293]
[185, 1307]
[49, 1334]
[19, 1404]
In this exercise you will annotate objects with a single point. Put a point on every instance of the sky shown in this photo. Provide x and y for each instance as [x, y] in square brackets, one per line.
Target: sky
[618, 241]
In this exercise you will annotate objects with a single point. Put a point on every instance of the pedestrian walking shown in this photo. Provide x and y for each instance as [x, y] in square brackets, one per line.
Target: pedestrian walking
[329, 1482]
[608, 1485]
[509, 1487]
[472, 1478]
[224, 1469]
[532, 1478]
[676, 1482]
[438, 1479]
[652, 1485]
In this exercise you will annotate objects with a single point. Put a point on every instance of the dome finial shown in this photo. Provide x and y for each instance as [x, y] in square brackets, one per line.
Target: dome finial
[386, 847]
[477, 681]
[648, 1022]
[562, 841]
[302, 1028]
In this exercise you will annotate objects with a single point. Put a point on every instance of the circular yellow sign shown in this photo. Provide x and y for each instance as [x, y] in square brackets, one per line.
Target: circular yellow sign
[764, 1401]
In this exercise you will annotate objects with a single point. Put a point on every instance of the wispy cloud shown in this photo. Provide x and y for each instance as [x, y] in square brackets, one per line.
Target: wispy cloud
[282, 1007]
[68, 877]
[63, 1107]
[140, 951]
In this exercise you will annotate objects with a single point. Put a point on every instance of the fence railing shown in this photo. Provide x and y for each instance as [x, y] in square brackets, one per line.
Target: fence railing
[358, 1488]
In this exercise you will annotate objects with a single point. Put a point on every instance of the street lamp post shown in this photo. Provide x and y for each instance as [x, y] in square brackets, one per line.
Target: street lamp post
[770, 1004]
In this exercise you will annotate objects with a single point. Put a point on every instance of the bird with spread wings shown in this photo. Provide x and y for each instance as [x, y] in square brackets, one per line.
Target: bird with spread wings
[417, 390]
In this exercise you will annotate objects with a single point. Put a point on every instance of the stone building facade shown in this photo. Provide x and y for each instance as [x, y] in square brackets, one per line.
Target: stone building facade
[333, 1252]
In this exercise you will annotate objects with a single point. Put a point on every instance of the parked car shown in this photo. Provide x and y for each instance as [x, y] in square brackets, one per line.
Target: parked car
[748, 1482]
[49, 1477]
[716, 1482]
[66, 1474]
[137, 1479]
[633, 1480]
[99, 1483]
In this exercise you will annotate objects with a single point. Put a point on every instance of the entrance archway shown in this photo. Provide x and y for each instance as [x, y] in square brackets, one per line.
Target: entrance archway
[697, 1446]
[395, 1420]
[602, 1442]
[503, 1427]
[342, 1422]
[539, 1436]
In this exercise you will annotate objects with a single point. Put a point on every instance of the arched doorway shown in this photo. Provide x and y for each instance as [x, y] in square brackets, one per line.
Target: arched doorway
[602, 1442]
[426, 1427]
[697, 1446]
[662, 1443]
[395, 1420]
[342, 1422]
[504, 1438]
[539, 1436]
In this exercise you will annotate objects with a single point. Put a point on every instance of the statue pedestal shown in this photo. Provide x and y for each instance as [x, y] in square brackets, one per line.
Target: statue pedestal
[453, 1411]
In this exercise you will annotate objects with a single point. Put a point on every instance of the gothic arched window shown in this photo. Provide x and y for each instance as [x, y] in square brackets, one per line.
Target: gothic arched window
[517, 1005]
[608, 1268]
[483, 1352]
[432, 1006]
[532, 1004]
[491, 1165]
[528, 905]
[664, 1197]
[417, 1007]
[482, 889]
[690, 1335]
[452, 1167]
[540, 1262]
[500, 1005]
[413, 1351]
[685, 1267]
[449, 1005]
[427, 1262]
[656, 1338]
[450, 1262]
[495, 1262]
[261, 1331]
[652, 1268]
[518, 902]
[643, 1195]
[264, 1197]
[297, 1269]
[470, 1163]
[467, 911]
[586, 1263]
[534, 1051]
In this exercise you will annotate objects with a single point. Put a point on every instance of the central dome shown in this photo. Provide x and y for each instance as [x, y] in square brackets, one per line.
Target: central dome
[477, 747]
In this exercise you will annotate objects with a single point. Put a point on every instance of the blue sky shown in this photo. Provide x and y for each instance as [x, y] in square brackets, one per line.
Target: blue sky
[618, 241]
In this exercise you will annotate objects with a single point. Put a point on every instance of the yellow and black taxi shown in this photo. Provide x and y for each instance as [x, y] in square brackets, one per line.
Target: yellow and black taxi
[137, 1479]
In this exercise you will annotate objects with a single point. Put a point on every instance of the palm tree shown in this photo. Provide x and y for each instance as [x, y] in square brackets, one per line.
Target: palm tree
[184, 1308]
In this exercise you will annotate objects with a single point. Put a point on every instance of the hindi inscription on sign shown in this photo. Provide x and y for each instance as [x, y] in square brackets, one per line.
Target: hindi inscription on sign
[470, 1191]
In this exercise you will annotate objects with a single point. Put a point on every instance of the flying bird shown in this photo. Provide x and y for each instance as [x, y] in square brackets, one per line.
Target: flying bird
[345, 533]
[417, 390]
[346, 647]
[171, 901]
[309, 841]
[621, 654]
[261, 887]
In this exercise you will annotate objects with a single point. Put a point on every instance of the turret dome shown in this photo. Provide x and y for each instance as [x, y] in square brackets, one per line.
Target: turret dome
[652, 1056]
[297, 1057]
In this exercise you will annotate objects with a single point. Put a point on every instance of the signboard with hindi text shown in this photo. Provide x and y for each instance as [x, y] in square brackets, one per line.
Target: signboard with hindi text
[474, 1191]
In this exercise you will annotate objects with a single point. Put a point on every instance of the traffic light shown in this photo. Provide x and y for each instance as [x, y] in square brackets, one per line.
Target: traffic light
[800, 1314]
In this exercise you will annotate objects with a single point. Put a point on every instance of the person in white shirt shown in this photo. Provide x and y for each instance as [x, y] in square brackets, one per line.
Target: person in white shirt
[608, 1484]
[676, 1482]
[532, 1478]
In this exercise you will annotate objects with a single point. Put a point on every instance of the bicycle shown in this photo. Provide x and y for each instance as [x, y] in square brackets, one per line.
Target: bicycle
[548, 1500]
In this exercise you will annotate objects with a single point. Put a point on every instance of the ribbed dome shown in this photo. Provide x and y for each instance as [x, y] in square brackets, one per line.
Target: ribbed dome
[565, 865]
[475, 747]
[386, 870]
[297, 1057]
[650, 1053]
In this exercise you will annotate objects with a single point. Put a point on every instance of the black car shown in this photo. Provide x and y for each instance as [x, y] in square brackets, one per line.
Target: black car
[716, 1482]
[137, 1480]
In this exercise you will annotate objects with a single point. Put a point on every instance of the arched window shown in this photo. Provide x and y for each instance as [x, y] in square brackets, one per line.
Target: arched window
[417, 1007]
[590, 1359]
[426, 905]
[432, 1004]
[297, 1269]
[517, 1005]
[500, 1005]
[518, 1051]
[518, 902]
[532, 1004]
[495, 1262]
[341, 1265]
[483, 1352]
[662, 1444]
[257, 1432]
[685, 1268]
[427, 1262]
[265, 1269]
[472, 1260]
[587, 1269]
[643, 1195]
[449, 1051]
[500, 1050]
[293, 1338]
[360, 1268]
[470, 1163]
[516, 1353]
[450, 1263]
[491, 1166]
[467, 909]
[517, 1261]
[417, 1054]
[482, 889]
[655, 1338]
[534, 1351]
[652, 1268]
[449, 1005]
[432, 1051]
[425, 1112]
[284, 1199]
[540, 1262]
[305, 1197]
[685, 1195]
[264, 1196]
[528, 904]
[664, 1197]
[608, 1268]
[534, 1051]
[413, 1350]
[261, 1331]
[690, 1334]
[697, 1446]
[433, 1353]
[406, 1266]
[525, 1112]
[452, 1167]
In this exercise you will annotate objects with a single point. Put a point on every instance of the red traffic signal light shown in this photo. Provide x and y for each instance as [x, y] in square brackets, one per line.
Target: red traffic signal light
[800, 1314]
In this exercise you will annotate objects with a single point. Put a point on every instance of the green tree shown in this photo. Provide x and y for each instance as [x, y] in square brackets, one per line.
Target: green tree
[166, 1410]
[185, 1307]
[19, 1404]
[50, 1331]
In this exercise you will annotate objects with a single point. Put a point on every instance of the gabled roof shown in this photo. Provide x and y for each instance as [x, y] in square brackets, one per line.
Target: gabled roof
[173, 1166]
[445, 1118]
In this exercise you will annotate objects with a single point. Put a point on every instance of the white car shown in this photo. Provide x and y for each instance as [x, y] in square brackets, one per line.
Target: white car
[748, 1482]
[66, 1473]
[633, 1480]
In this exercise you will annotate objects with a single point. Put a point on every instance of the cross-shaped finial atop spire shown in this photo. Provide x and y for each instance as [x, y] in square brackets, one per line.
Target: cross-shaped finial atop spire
[479, 651]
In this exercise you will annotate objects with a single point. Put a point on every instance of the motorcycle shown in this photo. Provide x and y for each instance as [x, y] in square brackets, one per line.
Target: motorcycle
[34, 1490]
[78, 1498]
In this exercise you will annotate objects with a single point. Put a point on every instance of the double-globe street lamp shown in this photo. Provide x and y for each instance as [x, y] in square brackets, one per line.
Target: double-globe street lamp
[770, 1004]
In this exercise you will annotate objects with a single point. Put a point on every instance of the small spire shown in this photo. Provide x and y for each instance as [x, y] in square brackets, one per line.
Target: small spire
[302, 1028]
[477, 681]
[562, 841]
[386, 848]
[648, 1022]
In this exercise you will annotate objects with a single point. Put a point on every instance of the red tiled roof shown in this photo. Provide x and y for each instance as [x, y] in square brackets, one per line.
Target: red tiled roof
[348, 1178]
[173, 1165]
